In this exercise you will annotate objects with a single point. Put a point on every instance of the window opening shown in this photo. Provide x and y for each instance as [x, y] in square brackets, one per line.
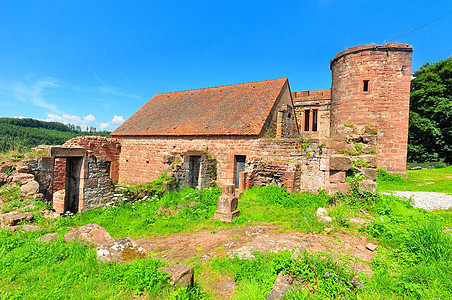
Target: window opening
[314, 119]
[193, 171]
[365, 85]
[306, 120]
[239, 167]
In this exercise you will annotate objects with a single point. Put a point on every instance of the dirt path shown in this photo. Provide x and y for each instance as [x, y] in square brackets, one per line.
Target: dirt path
[203, 245]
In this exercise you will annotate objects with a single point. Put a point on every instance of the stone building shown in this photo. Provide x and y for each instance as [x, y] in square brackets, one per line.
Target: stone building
[259, 133]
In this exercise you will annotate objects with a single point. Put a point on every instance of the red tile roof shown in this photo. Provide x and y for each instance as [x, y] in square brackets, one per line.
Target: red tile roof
[240, 109]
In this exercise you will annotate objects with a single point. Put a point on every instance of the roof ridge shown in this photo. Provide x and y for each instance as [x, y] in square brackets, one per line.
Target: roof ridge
[221, 86]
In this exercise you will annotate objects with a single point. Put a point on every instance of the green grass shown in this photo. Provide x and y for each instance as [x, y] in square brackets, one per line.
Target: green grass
[428, 180]
[413, 260]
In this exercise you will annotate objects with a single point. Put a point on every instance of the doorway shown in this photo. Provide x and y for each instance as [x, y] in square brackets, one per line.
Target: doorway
[193, 171]
[239, 167]
[72, 185]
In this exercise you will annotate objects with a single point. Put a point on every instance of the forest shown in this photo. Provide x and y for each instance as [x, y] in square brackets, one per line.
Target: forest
[23, 134]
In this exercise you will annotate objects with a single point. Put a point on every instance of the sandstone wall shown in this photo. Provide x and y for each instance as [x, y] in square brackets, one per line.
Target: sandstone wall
[371, 84]
[143, 159]
[320, 100]
[101, 147]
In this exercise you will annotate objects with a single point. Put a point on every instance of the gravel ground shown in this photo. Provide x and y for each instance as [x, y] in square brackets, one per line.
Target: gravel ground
[426, 200]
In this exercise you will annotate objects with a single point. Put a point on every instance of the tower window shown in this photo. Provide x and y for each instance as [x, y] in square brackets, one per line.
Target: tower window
[314, 119]
[306, 120]
[310, 120]
[365, 85]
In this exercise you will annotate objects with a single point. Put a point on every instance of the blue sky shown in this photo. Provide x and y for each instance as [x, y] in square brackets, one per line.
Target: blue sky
[95, 63]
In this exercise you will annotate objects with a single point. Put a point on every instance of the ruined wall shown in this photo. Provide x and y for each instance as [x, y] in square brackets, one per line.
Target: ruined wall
[263, 173]
[308, 100]
[97, 191]
[143, 158]
[178, 165]
[42, 169]
[282, 122]
[60, 174]
[109, 148]
[371, 84]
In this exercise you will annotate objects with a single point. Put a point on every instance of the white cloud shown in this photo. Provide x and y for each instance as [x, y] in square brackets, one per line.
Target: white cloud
[19, 117]
[89, 118]
[86, 121]
[117, 120]
[71, 119]
[34, 93]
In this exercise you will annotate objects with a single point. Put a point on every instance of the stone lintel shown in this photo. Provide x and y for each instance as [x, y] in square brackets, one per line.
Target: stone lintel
[64, 151]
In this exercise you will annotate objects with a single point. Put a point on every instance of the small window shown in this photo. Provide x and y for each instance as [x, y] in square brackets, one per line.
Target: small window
[311, 120]
[365, 85]
[306, 120]
[315, 113]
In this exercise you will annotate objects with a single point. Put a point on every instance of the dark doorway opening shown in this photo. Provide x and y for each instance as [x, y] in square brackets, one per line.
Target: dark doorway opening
[72, 185]
[239, 167]
[193, 171]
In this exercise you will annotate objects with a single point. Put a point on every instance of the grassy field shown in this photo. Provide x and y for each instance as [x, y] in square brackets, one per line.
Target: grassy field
[428, 180]
[413, 260]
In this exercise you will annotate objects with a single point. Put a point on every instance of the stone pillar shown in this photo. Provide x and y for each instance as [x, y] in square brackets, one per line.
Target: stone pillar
[227, 205]
[290, 181]
[279, 124]
[58, 201]
[242, 181]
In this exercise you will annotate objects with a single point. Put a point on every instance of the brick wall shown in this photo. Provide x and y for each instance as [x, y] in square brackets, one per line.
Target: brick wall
[321, 100]
[387, 70]
[281, 122]
[143, 159]
[60, 174]
[109, 148]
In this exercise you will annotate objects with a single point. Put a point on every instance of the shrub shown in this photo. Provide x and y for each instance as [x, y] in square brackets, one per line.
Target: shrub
[383, 175]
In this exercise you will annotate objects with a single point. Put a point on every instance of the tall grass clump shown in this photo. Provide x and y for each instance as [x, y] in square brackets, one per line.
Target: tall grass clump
[383, 175]
[318, 276]
[175, 211]
[299, 208]
[31, 269]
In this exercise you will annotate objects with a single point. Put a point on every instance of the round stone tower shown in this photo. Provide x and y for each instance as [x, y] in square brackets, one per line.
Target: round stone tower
[371, 84]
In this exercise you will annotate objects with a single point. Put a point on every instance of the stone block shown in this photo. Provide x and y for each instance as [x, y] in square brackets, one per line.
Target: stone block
[371, 160]
[370, 173]
[13, 220]
[340, 163]
[343, 187]
[368, 186]
[91, 233]
[3, 179]
[124, 249]
[65, 151]
[371, 247]
[228, 189]
[47, 238]
[226, 216]
[324, 164]
[227, 203]
[23, 169]
[370, 139]
[31, 187]
[29, 228]
[337, 176]
[242, 181]
[281, 287]
[180, 275]
[22, 178]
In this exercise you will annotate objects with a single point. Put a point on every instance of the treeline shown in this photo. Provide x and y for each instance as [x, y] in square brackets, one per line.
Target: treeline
[430, 131]
[23, 134]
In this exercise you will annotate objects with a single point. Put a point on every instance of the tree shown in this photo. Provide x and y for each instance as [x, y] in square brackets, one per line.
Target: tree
[430, 129]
